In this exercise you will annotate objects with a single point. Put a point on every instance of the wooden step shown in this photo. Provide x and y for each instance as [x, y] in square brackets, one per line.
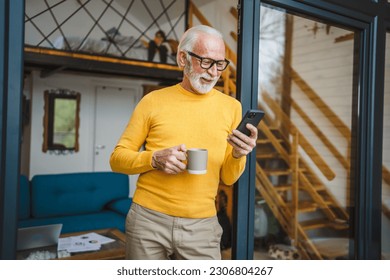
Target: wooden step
[322, 223]
[327, 203]
[267, 155]
[281, 172]
[319, 188]
[266, 141]
[339, 224]
[275, 131]
[314, 224]
[283, 188]
[277, 172]
[305, 206]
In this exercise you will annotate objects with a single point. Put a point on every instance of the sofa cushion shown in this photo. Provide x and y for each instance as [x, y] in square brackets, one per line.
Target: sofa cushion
[24, 198]
[76, 193]
[120, 206]
[76, 223]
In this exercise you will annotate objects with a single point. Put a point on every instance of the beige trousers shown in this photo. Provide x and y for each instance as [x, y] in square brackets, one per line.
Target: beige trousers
[151, 235]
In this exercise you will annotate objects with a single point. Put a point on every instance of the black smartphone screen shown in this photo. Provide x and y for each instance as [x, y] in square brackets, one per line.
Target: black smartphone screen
[253, 117]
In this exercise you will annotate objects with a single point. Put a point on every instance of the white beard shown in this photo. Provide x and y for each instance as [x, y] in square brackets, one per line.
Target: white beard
[195, 80]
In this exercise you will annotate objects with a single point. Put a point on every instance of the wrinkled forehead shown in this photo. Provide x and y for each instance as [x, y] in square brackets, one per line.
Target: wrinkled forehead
[210, 46]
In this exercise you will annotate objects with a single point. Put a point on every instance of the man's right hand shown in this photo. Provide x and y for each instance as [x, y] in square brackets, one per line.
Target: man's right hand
[170, 160]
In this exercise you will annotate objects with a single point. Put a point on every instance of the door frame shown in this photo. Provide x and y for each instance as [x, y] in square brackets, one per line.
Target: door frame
[369, 18]
[247, 80]
[11, 86]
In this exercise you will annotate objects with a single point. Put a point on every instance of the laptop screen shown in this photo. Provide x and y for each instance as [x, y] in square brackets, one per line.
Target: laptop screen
[38, 236]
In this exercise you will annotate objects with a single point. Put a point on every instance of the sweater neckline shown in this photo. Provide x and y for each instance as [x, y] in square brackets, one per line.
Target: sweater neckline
[195, 95]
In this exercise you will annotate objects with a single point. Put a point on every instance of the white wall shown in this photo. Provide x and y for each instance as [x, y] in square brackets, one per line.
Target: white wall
[82, 161]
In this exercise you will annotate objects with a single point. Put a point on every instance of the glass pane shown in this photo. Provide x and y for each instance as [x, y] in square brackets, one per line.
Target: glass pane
[306, 88]
[386, 159]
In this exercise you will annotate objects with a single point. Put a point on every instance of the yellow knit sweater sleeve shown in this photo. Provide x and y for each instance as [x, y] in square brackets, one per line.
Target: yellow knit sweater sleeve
[128, 157]
[170, 117]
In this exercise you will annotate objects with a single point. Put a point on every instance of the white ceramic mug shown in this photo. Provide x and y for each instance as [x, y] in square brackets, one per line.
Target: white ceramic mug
[197, 161]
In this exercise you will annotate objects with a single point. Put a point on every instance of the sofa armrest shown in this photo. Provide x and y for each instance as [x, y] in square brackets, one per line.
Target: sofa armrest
[121, 206]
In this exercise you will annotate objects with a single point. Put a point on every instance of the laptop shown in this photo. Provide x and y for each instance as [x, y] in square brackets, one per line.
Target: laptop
[38, 236]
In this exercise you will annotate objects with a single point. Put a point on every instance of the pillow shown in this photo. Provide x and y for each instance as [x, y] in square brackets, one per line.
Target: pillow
[120, 206]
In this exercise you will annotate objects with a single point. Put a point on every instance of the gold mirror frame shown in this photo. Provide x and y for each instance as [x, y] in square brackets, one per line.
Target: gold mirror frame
[49, 120]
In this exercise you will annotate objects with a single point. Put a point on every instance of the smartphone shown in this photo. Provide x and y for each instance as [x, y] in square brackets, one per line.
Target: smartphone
[253, 117]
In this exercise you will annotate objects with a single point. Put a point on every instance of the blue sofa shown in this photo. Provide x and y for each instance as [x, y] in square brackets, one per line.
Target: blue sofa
[79, 201]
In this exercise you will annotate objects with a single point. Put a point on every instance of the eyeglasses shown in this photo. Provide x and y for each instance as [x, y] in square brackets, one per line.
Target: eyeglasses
[207, 63]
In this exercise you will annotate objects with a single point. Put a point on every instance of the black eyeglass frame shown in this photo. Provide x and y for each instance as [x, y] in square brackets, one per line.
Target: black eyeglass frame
[213, 61]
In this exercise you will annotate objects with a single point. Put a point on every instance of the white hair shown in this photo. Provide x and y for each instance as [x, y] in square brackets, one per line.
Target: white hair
[190, 37]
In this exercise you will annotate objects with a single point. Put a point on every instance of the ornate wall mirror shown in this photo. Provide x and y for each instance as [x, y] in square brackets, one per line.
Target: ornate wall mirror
[61, 121]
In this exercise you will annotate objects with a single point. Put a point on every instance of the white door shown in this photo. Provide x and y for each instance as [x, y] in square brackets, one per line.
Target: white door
[114, 107]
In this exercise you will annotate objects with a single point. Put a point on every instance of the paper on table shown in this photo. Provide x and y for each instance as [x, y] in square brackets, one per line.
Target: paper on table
[83, 243]
[95, 238]
[71, 245]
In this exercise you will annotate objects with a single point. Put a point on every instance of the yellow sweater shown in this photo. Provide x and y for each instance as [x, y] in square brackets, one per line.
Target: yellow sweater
[170, 117]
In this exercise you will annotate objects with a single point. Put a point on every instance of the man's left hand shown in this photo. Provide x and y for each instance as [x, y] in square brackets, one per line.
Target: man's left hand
[242, 144]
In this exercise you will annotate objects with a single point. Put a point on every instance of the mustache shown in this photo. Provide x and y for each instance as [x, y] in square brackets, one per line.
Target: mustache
[207, 76]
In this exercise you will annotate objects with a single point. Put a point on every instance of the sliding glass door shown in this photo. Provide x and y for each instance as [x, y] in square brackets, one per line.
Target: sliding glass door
[308, 88]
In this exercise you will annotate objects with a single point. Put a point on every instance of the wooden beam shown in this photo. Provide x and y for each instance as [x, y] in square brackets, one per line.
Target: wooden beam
[51, 59]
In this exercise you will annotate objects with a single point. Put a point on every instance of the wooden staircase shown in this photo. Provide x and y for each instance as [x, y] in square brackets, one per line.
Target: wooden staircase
[292, 189]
